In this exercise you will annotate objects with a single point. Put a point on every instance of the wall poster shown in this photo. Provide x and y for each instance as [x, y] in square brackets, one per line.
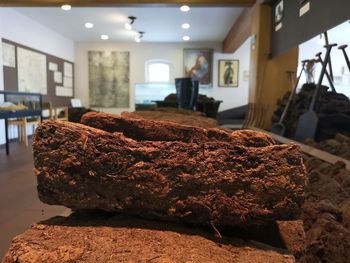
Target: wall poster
[32, 72]
[68, 69]
[109, 83]
[8, 55]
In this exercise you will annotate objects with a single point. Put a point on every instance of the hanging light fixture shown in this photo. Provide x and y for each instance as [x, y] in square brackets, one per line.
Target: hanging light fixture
[128, 26]
[139, 36]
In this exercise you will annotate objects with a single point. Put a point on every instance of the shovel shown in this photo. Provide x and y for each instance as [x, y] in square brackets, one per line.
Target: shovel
[279, 128]
[319, 59]
[342, 48]
[307, 123]
[329, 61]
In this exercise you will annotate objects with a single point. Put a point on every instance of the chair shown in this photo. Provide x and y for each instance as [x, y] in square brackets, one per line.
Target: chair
[61, 113]
[48, 111]
[22, 123]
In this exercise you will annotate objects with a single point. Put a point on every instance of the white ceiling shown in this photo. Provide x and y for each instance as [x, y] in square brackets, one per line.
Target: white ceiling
[208, 24]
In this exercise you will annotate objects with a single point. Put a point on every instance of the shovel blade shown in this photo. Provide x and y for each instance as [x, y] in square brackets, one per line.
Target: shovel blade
[306, 127]
[278, 128]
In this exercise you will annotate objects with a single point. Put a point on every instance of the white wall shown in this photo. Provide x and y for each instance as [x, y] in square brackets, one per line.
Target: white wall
[173, 52]
[2, 122]
[233, 97]
[23, 30]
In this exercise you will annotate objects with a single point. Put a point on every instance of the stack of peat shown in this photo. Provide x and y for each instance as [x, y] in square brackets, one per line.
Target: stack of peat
[339, 145]
[181, 116]
[160, 178]
[333, 110]
[326, 212]
[207, 105]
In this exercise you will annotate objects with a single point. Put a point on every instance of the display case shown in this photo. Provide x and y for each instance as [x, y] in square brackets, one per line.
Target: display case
[18, 105]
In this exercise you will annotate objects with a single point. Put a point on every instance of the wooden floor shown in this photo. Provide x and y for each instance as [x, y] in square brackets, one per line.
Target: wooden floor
[19, 203]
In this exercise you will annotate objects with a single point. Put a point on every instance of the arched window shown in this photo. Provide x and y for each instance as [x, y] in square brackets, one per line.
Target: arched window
[158, 71]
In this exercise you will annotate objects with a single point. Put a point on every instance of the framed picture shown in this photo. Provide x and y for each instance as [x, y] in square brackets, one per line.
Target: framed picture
[279, 11]
[228, 73]
[198, 64]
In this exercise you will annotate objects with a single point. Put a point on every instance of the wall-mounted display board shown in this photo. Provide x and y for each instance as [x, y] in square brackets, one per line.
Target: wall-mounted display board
[304, 19]
[30, 70]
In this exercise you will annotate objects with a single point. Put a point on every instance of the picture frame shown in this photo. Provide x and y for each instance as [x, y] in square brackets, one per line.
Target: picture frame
[228, 71]
[198, 64]
[279, 12]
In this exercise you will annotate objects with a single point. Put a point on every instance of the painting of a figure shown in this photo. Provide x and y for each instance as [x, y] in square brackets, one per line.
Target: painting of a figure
[228, 73]
[198, 64]
[109, 83]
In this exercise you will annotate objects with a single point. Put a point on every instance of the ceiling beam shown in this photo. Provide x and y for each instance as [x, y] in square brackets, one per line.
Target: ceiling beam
[100, 3]
[239, 32]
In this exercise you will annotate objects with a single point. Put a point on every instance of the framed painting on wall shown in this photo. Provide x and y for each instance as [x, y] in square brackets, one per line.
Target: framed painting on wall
[198, 64]
[228, 73]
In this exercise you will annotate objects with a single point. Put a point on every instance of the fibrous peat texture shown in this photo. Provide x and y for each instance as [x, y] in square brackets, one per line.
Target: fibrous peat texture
[211, 182]
[86, 239]
[150, 130]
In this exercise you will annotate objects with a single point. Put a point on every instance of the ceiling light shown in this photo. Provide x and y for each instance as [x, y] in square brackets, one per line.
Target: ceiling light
[66, 7]
[104, 37]
[139, 36]
[128, 26]
[186, 38]
[185, 26]
[89, 25]
[185, 8]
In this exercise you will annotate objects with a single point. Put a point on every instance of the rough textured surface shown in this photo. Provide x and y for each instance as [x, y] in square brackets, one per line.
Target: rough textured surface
[326, 212]
[142, 129]
[174, 115]
[75, 114]
[339, 145]
[209, 183]
[327, 240]
[293, 236]
[119, 239]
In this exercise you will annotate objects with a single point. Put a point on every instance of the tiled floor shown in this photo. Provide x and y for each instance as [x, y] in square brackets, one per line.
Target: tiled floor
[19, 203]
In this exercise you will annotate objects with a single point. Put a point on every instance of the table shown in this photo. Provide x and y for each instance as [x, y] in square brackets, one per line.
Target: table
[10, 114]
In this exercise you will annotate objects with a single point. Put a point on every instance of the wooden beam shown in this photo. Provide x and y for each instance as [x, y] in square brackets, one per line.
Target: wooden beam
[98, 3]
[239, 32]
[268, 77]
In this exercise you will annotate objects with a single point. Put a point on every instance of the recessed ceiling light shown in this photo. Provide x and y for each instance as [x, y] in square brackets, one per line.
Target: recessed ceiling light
[186, 38]
[185, 8]
[185, 26]
[104, 37]
[66, 7]
[139, 36]
[128, 26]
[89, 25]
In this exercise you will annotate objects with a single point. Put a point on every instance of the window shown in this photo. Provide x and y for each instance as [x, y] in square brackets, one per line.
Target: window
[158, 71]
